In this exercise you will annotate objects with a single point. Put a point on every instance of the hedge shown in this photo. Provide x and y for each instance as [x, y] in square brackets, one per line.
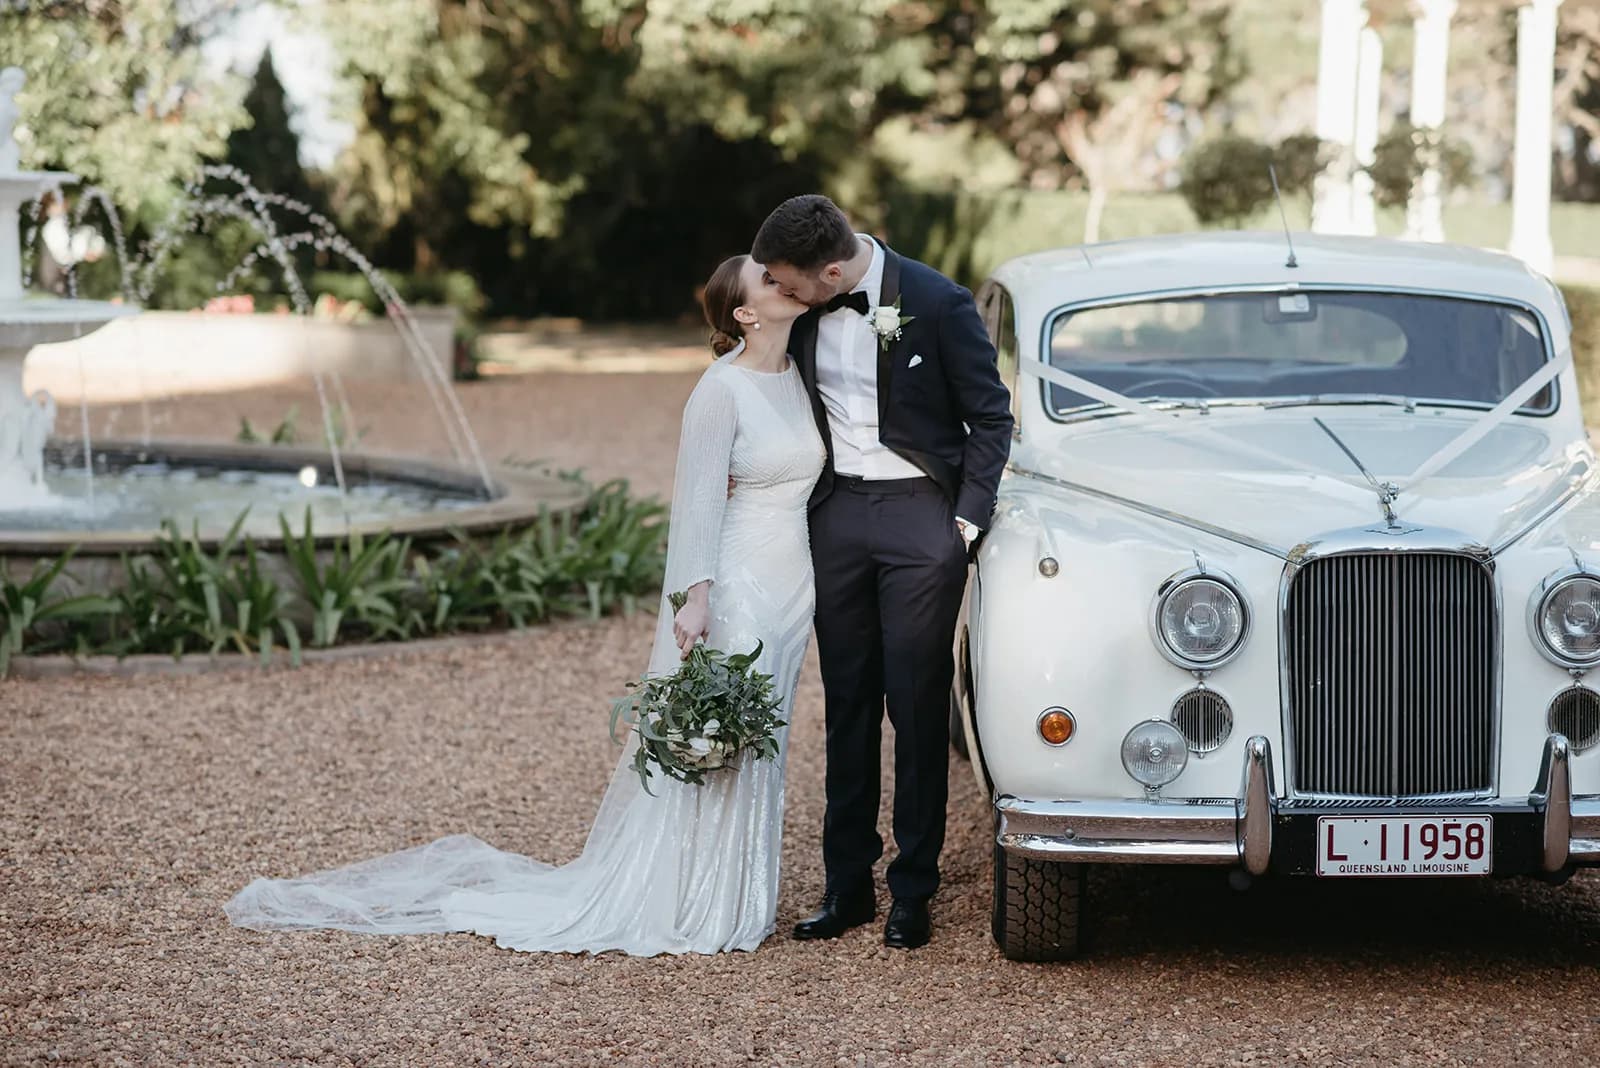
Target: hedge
[968, 235]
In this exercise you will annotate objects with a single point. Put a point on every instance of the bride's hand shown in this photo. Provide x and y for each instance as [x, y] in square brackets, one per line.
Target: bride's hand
[693, 620]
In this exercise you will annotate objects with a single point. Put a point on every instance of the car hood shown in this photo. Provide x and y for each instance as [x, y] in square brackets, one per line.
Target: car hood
[1277, 477]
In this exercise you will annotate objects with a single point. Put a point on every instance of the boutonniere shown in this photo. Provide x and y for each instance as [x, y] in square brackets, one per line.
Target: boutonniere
[886, 321]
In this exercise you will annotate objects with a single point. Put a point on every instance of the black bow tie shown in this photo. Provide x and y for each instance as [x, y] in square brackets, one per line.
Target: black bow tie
[857, 300]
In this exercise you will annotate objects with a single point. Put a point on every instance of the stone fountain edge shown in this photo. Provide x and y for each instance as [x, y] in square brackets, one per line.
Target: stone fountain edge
[520, 495]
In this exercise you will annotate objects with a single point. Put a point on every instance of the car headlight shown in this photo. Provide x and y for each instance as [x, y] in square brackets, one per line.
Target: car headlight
[1199, 620]
[1154, 753]
[1566, 618]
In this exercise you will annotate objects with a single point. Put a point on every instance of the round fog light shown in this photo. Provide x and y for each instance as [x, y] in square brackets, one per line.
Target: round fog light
[1154, 753]
[1056, 726]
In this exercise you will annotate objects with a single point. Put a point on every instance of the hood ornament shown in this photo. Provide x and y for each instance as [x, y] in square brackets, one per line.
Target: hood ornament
[1388, 492]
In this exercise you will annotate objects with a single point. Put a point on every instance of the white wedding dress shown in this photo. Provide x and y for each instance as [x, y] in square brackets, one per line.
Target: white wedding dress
[693, 869]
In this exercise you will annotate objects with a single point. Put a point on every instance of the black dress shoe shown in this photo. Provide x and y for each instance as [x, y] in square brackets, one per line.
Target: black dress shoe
[909, 925]
[840, 911]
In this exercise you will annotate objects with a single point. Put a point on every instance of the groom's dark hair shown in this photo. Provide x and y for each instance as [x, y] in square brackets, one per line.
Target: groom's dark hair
[805, 232]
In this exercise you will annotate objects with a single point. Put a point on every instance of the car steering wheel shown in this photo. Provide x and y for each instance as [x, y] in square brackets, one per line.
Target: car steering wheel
[1144, 388]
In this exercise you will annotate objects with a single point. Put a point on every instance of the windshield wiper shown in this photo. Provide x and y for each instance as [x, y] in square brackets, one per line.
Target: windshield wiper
[1390, 399]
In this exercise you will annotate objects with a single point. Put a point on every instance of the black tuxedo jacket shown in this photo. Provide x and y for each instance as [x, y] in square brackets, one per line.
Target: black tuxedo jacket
[950, 415]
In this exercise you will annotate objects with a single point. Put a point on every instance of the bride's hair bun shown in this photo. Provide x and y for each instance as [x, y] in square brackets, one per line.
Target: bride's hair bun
[724, 292]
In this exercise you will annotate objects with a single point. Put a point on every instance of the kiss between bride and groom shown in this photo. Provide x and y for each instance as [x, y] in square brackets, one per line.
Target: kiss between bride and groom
[837, 461]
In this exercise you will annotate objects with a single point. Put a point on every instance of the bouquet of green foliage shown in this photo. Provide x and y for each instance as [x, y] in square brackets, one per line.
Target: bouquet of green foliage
[700, 717]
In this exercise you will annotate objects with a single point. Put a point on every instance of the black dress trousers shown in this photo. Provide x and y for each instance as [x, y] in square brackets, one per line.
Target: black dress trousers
[890, 569]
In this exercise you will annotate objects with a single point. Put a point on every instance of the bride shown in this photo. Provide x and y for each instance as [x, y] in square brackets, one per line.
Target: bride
[693, 869]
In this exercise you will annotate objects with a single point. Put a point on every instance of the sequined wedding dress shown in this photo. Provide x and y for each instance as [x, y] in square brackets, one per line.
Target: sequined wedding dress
[693, 869]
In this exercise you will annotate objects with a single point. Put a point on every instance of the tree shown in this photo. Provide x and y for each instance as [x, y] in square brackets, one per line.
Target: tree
[117, 92]
[1577, 99]
[267, 149]
[596, 156]
[1112, 148]
[1079, 93]
[558, 146]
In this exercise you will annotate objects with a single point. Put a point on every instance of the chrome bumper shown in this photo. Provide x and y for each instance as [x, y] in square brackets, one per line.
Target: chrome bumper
[1238, 831]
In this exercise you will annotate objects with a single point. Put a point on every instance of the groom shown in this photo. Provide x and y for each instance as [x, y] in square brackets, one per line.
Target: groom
[917, 426]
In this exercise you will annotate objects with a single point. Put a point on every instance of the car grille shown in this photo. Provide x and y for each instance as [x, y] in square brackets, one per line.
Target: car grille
[1390, 661]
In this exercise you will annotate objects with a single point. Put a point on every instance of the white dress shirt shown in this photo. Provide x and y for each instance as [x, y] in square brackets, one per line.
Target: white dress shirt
[847, 380]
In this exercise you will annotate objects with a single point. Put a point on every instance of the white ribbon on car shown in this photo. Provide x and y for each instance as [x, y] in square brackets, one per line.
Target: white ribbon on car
[1490, 419]
[1449, 452]
[1140, 410]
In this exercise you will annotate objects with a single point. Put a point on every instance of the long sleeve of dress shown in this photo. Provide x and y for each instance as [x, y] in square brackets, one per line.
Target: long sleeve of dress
[700, 487]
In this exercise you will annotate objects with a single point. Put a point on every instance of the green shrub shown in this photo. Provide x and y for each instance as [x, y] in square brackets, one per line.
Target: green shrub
[617, 554]
[1405, 152]
[1299, 158]
[362, 583]
[182, 597]
[1226, 178]
[30, 616]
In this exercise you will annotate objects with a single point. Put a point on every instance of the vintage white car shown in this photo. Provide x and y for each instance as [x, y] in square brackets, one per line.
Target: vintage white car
[1296, 569]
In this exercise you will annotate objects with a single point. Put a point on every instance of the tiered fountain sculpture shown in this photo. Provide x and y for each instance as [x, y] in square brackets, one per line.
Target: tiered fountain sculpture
[29, 320]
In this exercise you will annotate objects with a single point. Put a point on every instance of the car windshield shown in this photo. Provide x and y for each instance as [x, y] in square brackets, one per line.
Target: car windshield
[1301, 346]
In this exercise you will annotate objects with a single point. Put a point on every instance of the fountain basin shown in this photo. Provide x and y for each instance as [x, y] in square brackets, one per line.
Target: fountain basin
[137, 485]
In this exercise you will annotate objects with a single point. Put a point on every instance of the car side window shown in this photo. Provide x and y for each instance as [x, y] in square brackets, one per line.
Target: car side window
[987, 297]
[1004, 333]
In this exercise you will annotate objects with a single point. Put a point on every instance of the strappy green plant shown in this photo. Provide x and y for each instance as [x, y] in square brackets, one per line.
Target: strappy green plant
[28, 611]
[359, 581]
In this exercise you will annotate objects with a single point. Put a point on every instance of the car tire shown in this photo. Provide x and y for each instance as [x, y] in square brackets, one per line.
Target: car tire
[1038, 907]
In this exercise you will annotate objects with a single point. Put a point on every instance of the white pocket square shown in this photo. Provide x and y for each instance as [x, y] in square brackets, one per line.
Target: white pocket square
[915, 360]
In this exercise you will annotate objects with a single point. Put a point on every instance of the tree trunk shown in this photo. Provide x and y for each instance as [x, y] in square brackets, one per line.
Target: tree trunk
[1091, 218]
[422, 258]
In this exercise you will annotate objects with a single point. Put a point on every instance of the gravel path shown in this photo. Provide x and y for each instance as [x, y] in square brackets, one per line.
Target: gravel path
[130, 809]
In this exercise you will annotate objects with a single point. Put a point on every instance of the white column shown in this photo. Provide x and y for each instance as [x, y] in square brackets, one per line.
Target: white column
[1369, 77]
[1342, 21]
[1429, 76]
[1530, 189]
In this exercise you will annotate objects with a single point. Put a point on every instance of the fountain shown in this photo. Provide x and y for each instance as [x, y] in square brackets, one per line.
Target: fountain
[108, 497]
[27, 321]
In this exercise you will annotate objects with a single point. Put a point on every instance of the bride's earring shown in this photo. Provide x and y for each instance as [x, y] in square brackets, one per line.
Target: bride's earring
[756, 324]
